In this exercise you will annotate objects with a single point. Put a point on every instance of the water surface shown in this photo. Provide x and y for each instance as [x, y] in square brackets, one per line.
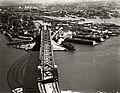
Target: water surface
[89, 68]
[92, 68]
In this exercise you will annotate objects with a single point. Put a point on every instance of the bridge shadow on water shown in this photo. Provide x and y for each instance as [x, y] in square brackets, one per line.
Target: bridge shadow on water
[30, 77]
[23, 73]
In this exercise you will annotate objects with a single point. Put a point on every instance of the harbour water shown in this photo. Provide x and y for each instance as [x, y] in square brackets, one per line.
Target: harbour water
[88, 68]
[8, 56]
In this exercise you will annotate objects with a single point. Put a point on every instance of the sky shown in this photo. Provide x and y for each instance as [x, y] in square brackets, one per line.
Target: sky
[50, 1]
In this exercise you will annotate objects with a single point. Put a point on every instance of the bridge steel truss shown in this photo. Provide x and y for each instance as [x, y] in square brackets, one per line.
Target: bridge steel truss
[48, 81]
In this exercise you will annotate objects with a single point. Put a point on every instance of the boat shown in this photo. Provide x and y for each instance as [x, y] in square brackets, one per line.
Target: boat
[25, 46]
[17, 90]
[24, 37]
[113, 34]
[81, 41]
[68, 46]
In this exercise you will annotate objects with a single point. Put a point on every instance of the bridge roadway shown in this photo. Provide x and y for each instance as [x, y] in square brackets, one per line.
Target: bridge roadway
[48, 75]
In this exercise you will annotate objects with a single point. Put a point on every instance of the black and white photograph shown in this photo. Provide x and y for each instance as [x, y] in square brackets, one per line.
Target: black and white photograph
[59, 46]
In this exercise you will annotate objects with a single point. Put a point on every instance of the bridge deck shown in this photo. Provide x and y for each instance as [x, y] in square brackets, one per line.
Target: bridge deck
[48, 79]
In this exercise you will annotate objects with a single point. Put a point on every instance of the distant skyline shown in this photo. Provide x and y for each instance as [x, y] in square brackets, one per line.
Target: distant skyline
[49, 1]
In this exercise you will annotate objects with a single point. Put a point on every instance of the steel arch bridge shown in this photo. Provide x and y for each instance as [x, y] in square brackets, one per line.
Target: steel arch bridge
[48, 81]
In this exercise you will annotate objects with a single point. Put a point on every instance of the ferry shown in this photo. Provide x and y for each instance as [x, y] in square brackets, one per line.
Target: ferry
[81, 41]
[68, 46]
